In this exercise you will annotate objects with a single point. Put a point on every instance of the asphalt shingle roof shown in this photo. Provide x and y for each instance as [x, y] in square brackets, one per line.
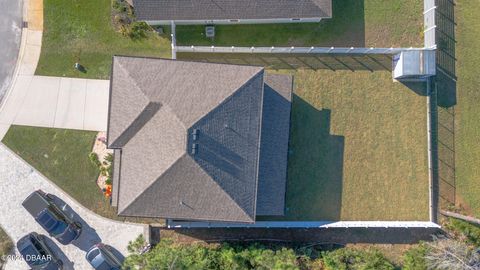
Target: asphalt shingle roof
[231, 9]
[156, 107]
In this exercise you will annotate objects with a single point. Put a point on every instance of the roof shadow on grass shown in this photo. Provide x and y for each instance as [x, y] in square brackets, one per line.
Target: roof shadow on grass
[288, 61]
[293, 236]
[418, 87]
[315, 166]
[346, 28]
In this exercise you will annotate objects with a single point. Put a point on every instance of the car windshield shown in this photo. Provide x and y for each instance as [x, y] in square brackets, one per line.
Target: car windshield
[97, 260]
[103, 266]
[50, 223]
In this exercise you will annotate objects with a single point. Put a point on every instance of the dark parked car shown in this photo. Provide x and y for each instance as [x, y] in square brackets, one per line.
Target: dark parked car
[101, 257]
[37, 254]
[51, 217]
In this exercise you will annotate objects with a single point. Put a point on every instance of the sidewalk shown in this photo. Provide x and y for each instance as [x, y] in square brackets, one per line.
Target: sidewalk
[54, 102]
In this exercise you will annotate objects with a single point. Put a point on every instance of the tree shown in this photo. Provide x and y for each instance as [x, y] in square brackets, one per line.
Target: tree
[348, 258]
[168, 255]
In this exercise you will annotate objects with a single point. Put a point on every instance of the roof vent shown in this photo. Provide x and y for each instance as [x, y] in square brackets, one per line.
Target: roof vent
[195, 134]
[194, 148]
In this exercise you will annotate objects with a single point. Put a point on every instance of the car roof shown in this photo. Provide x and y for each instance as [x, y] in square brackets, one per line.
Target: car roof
[35, 203]
[101, 255]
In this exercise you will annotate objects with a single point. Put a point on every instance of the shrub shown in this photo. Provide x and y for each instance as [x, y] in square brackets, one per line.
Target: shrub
[167, 255]
[348, 258]
[119, 5]
[94, 159]
[470, 231]
[414, 258]
[138, 30]
[109, 158]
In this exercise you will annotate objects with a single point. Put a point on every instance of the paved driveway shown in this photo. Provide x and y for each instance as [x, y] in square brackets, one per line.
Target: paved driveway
[10, 35]
[57, 102]
[18, 180]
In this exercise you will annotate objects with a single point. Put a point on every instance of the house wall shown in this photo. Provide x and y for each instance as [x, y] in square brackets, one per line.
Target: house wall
[246, 21]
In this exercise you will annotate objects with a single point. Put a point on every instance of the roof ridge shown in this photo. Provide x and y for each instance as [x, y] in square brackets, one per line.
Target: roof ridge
[131, 79]
[165, 105]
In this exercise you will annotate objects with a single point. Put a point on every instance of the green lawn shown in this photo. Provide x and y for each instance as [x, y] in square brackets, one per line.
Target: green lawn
[62, 156]
[358, 148]
[359, 23]
[468, 107]
[81, 31]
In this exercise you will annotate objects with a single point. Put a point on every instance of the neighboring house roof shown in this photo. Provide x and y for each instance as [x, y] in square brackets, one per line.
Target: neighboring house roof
[151, 10]
[156, 107]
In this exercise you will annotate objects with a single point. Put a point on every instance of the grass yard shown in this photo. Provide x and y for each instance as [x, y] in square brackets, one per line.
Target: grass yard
[62, 156]
[358, 148]
[82, 31]
[359, 23]
[6, 246]
[467, 111]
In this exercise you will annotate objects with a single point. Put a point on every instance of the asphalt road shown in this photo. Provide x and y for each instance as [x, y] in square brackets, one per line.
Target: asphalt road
[10, 35]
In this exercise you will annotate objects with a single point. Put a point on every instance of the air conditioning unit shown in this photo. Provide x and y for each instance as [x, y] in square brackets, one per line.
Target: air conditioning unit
[210, 31]
[414, 64]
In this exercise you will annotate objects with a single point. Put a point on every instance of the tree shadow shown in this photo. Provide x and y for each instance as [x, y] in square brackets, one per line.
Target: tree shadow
[278, 61]
[88, 236]
[338, 236]
[315, 165]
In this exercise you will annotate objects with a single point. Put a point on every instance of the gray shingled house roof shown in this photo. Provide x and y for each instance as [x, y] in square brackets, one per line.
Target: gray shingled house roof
[150, 10]
[198, 141]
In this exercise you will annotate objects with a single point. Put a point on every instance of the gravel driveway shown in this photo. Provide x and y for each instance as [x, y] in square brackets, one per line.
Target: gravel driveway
[18, 180]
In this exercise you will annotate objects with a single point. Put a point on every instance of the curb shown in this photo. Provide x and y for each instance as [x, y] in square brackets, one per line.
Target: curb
[21, 53]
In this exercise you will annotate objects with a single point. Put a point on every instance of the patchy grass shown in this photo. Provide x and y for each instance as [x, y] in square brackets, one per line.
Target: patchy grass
[359, 23]
[358, 148]
[82, 31]
[62, 156]
[6, 246]
[467, 124]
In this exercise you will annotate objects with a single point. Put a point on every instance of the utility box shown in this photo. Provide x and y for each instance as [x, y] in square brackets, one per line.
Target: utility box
[414, 64]
[210, 31]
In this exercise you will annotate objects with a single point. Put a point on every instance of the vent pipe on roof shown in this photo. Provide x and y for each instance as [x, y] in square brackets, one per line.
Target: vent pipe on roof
[195, 134]
[194, 148]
